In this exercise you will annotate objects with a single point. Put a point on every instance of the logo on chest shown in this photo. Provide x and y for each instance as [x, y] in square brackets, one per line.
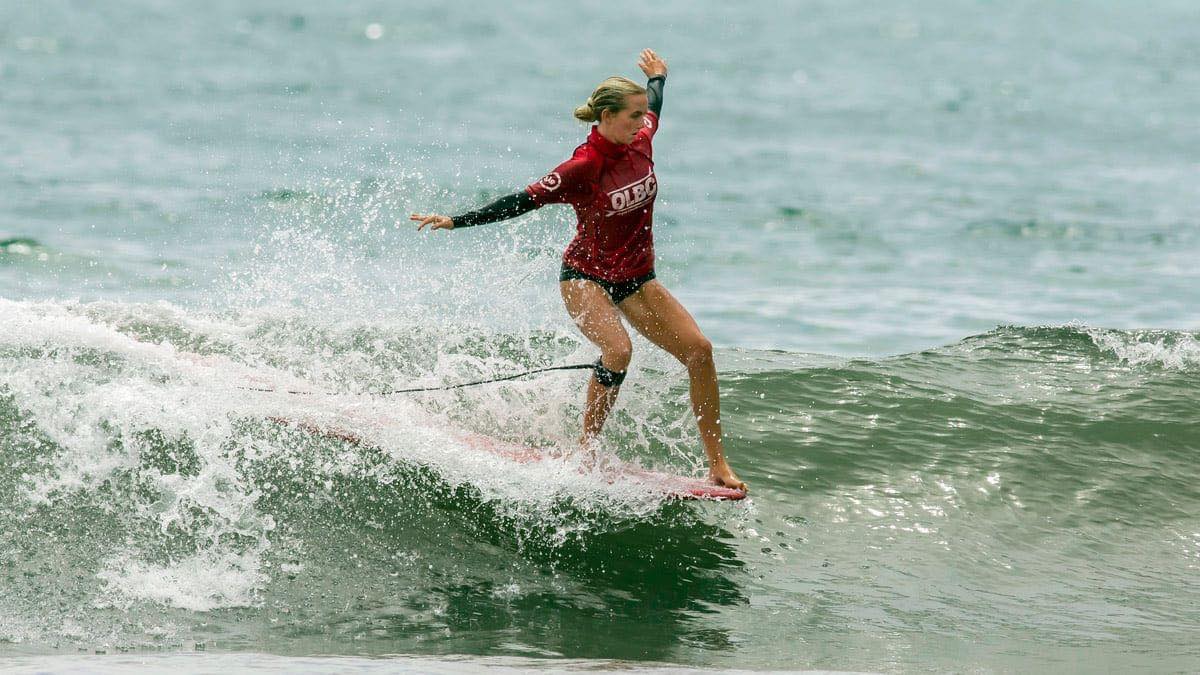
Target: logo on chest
[633, 196]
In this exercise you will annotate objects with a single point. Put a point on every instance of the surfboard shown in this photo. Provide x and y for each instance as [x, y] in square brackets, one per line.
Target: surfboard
[670, 485]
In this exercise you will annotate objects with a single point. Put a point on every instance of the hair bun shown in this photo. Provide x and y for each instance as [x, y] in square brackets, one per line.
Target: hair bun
[610, 95]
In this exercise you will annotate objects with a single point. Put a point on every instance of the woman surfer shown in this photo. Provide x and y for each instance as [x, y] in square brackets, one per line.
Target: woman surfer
[608, 269]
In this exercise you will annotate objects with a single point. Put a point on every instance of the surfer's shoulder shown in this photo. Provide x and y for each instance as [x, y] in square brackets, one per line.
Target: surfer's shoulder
[586, 152]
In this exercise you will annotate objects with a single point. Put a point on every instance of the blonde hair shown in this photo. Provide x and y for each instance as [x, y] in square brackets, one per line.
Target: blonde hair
[609, 95]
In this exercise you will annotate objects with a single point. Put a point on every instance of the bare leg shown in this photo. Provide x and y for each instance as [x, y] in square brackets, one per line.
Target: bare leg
[600, 400]
[659, 316]
[598, 319]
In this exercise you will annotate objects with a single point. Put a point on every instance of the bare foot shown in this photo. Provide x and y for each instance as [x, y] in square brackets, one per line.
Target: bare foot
[724, 476]
[327, 432]
[588, 455]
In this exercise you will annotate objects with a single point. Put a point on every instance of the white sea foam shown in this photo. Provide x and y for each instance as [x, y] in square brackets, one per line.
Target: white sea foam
[1171, 350]
[210, 579]
[96, 392]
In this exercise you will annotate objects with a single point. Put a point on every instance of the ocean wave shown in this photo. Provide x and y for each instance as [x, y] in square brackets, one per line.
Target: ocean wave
[146, 438]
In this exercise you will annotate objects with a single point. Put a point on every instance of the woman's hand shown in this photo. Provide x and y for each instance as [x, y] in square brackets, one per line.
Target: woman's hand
[434, 221]
[651, 64]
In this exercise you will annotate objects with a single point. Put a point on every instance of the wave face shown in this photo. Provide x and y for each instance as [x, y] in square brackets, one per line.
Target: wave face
[1030, 485]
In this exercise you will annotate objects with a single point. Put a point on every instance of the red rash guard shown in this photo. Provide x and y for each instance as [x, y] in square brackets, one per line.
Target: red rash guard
[612, 188]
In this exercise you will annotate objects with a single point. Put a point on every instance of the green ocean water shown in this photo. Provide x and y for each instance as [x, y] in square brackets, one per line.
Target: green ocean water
[945, 252]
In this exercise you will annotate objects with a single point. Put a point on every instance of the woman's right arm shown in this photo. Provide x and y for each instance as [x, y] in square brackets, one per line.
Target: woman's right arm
[568, 181]
[509, 206]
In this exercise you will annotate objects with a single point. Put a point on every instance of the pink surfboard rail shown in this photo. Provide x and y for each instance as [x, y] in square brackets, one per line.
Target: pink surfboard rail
[671, 485]
[680, 487]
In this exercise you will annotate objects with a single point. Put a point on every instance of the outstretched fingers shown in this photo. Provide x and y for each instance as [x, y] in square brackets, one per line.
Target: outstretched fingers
[651, 63]
[434, 220]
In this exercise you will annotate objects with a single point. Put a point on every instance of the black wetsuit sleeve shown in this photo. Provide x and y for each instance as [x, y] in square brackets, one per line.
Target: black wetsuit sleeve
[506, 207]
[654, 92]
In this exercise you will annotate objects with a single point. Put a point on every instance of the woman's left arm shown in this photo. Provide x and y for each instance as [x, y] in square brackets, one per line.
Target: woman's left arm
[654, 92]
[655, 69]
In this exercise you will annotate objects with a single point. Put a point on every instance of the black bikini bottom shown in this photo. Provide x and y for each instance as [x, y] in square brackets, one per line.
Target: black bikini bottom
[617, 290]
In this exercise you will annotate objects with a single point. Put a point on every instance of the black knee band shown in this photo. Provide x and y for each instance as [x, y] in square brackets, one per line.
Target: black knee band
[609, 378]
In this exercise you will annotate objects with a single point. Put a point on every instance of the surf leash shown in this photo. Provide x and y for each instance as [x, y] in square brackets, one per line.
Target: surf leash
[389, 392]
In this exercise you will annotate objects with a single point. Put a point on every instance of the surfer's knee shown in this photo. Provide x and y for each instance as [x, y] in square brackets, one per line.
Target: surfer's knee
[617, 357]
[697, 351]
[613, 362]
